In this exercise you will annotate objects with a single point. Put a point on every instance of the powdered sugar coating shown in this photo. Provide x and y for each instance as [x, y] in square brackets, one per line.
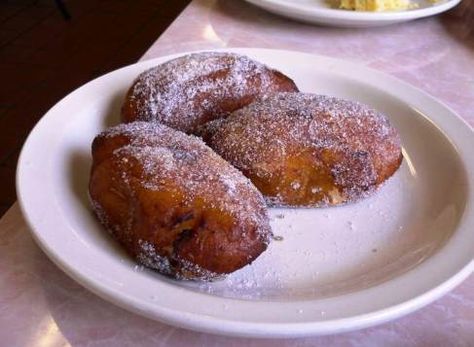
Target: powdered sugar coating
[149, 257]
[353, 147]
[172, 191]
[193, 89]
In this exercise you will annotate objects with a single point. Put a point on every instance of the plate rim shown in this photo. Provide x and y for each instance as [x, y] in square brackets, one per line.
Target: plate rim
[237, 327]
[315, 13]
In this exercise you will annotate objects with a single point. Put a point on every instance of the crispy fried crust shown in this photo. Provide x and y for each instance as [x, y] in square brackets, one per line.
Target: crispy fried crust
[174, 204]
[191, 90]
[308, 150]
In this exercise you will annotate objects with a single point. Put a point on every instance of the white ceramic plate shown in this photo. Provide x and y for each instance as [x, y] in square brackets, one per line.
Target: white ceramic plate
[336, 269]
[320, 12]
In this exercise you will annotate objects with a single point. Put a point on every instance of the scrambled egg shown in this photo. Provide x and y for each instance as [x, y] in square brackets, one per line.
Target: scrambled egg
[376, 5]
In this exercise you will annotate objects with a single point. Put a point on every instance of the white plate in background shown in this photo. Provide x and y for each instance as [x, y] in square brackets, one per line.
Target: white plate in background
[320, 12]
[337, 269]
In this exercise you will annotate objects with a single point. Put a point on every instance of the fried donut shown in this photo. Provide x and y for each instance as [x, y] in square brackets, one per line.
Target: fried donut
[175, 205]
[191, 90]
[308, 150]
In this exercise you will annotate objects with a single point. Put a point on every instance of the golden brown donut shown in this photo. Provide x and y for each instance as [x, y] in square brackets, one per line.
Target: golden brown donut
[174, 204]
[193, 89]
[308, 150]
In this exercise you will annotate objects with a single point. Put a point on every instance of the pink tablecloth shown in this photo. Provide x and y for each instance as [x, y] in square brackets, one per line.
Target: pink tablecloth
[41, 306]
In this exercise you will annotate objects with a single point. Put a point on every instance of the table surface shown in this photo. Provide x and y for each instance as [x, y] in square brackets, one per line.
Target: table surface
[41, 306]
